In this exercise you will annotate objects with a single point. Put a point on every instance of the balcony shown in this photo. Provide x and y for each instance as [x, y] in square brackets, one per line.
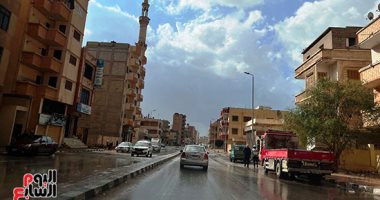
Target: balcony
[140, 97]
[142, 71]
[131, 92]
[129, 106]
[26, 88]
[60, 11]
[54, 9]
[31, 59]
[51, 64]
[44, 6]
[56, 38]
[370, 75]
[134, 64]
[51, 37]
[138, 110]
[37, 31]
[301, 97]
[132, 77]
[369, 36]
[128, 122]
[331, 55]
[48, 92]
[141, 83]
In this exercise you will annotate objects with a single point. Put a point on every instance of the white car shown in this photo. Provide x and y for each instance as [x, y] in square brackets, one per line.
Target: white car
[124, 147]
[142, 147]
[194, 155]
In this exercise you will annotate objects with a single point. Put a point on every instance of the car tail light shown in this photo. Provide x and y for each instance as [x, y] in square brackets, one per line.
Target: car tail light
[205, 157]
[183, 155]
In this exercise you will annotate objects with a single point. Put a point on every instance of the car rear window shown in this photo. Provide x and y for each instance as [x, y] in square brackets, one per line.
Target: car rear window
[195, 149]
[239, 148]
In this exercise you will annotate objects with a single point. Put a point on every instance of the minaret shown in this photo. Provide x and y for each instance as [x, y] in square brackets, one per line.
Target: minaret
[144, 21]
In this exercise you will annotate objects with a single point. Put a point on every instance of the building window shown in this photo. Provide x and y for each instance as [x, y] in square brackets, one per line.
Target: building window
[234, 131]
[246, 119]
[68, 85]
[77, 35]
[53, 81]
[1, 53]
[57, 54]
[43, 52]
[88, 70]
[73, 60]
[235, 118]
[353, 75]
[39, 80]
[85, 96]
[62, 28]
[351, 42]
[322, 75]
[5, 16]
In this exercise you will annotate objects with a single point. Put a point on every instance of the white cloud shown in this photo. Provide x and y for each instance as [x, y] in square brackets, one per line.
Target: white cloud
[312, 18]
[114, 9]
[176, 7]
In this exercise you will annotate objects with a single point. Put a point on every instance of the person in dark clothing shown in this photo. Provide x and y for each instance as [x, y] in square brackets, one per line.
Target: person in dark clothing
[247, 156]
[255, 157]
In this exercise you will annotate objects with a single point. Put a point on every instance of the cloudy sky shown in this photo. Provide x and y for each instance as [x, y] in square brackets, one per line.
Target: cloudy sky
[198, 50]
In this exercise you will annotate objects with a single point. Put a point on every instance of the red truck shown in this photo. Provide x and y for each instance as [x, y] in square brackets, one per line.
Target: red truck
[279, 152]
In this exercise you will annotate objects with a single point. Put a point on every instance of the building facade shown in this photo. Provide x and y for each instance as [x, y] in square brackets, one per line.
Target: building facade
[334, 55]
[179, 123]
[233, 124]
[42, 72]
[118, 87]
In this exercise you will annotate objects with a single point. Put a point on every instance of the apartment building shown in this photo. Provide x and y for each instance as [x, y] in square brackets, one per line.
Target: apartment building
[153, 128]
[179, 123]
[334, 55]
[213, 133]
[119, 83]
[233, 123]
[79, 114]
[42, 70]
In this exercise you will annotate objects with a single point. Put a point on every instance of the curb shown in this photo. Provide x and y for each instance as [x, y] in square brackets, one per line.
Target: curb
[78, 150]
[100, 186]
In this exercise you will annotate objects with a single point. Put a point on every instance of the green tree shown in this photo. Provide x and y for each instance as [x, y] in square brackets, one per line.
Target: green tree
[332, 115]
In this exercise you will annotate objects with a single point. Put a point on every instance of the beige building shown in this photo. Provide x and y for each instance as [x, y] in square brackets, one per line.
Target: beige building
[153, 128]
[179, 123]
[213, 133]
[234, 124]
[119, 81]
[334, 55]
[41, 78]
[78, 119]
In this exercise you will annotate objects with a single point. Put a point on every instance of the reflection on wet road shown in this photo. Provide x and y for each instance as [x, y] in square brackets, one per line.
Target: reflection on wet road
[220, 182]
[71, 167]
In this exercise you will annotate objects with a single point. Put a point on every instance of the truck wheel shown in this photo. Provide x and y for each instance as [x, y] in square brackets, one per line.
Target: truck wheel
[315, 178]
[279, 173]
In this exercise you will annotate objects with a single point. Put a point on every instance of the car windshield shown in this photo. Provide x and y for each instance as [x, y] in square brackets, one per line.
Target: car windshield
[124, 144]
[194, 149]
[145, 144]
[239, 148]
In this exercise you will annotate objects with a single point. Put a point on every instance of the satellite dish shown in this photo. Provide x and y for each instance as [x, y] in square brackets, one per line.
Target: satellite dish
[370, 16]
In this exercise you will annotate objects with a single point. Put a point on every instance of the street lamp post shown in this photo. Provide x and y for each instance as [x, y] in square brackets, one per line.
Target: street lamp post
[253, 104]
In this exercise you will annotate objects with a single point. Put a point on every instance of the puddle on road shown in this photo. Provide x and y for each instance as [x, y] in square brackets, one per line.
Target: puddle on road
[71, 167]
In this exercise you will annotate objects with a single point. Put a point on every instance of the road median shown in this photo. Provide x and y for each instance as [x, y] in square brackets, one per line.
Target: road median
[102, 181]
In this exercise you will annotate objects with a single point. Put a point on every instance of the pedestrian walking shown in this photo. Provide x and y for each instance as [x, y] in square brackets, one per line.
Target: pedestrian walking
[247, 156]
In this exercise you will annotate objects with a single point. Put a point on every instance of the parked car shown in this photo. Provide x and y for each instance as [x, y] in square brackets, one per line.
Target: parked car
[32, 145]
[236, 153]
[163, 145]
[142, 147]
[124, 147]
[194, 155]
[156, 144]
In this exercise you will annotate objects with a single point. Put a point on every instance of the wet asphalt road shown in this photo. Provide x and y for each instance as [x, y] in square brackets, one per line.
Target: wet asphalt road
[221, 181]
[71, 167]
